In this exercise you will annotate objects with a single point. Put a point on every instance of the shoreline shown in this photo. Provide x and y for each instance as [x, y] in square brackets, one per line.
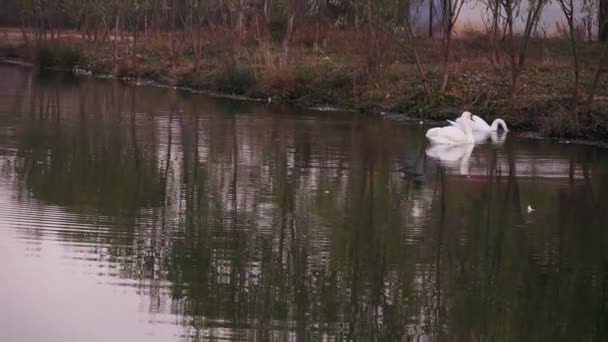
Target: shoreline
[522, 128]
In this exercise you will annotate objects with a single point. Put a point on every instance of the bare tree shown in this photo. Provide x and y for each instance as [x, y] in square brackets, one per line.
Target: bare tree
[371, 38]
[567, 7]
[410, 45]
[589, 12]
[450, 11]
[431, 8]
[239, 27]
[517, 54]
[598, 74]
[137, 10]
[173, 31]
[603, 20]
[292, 9]
[192, 21]
[493, 8]
[108, 12]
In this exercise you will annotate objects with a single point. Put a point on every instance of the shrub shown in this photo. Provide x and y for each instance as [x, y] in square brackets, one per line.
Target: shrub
[562, 123]
[278, 83]
[236, 79]
[324, 75]
[69, 56]
[420, 105]
[45, 57]
[10, 52]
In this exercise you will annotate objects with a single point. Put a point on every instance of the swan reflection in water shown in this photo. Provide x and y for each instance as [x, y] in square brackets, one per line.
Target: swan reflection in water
[492, 137]
[458, 156]
[452, 156]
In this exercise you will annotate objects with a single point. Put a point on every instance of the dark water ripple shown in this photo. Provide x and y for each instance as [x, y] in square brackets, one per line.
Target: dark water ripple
[143, 214]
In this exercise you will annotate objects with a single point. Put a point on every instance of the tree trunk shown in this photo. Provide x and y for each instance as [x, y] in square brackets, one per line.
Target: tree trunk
[115, 35]
[287, 37]
[513, 60]
[603, 20]
[267, 7]
[446, 61]
[495, 31]
[320, 16]
[598, 74]
[576, 62]
[83, 27]
[371, 58]
[431, 5]
[531, 20]
[24, 33]
[195, 46]
[238, 31]
[173, 53]
[135, 35]
[450, 14]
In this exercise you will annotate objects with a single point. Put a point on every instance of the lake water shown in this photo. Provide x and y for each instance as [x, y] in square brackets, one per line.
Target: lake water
[147, 214]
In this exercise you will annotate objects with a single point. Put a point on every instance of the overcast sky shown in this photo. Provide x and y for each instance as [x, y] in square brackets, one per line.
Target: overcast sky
[473, 15]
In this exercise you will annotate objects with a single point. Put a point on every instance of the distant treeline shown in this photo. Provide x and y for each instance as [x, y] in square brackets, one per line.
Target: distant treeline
[159, 14]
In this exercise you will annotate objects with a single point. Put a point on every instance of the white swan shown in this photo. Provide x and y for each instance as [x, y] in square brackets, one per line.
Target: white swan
[455, 134]
[479, 124]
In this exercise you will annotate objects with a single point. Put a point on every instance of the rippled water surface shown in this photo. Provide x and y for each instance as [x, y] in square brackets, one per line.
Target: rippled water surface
[146, 214]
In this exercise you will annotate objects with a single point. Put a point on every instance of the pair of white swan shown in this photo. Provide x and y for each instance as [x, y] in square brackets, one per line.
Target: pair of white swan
[453, 145]
[462, 130]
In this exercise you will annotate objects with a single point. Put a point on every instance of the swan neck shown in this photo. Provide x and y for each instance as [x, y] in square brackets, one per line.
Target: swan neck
[501, 123]
[468, 131]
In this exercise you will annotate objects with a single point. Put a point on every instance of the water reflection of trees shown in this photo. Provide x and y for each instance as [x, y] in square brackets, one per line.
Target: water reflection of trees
[278, 227]
[81, 149]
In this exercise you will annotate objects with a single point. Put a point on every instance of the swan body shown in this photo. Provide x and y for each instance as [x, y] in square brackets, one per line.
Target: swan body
[453, 135]
[479, 124]
[482, 136]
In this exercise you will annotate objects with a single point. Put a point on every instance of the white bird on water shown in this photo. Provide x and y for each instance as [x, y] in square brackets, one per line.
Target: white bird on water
[530, 209]
[479, 124]
[453, 135]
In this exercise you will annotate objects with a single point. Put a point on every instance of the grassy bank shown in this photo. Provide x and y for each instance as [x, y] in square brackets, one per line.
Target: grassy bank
[335, 74]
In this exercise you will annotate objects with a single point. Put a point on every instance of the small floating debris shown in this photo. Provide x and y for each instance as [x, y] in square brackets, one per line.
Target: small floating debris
[82, 72]
[325, 109]
[530, 209]
[326, 191]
